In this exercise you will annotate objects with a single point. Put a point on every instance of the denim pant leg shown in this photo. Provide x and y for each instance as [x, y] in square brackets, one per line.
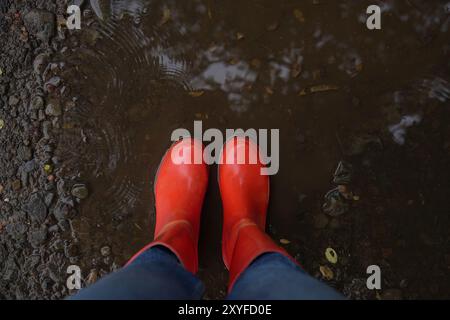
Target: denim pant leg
[155, 275]
[274, 277]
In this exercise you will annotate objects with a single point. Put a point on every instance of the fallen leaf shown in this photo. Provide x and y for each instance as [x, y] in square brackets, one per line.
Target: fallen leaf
[327, 273]
[16, 185]
[60, 22]
[92, 277]
[296, 70]
[359, 67]
[68, 125]
[256, 63]
[233, 61]
[284, 241]
[298, 14]
[240, 36]
[196, 94]
[331, 255]
[345, 192]
[2, 124]
[1, 72]
[272, 26]
[269, 91]
[48, 168]
[166, 16]
[323, 88]
[209, 11]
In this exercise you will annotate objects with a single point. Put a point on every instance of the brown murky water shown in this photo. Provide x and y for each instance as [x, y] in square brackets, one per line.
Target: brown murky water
[336, 91]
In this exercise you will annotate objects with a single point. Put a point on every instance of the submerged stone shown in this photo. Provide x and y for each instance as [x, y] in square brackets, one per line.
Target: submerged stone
[335, 204]
[80, 191]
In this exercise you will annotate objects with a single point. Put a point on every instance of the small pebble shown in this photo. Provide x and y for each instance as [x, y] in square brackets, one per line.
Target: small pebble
[53, 109]
[16, 185]
[13, 101]
[80, 191]
[105, 251]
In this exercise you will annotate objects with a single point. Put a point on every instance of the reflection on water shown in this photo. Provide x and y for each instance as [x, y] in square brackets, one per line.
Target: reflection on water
[118, 8]
[231, 79]
[399, 130]
[312, 69]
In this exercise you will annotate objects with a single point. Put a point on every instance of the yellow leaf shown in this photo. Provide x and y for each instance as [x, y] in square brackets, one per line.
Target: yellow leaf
[210, 13]
[285, 241]
[166, 16]
[68, 125]
[240, 36]
[359, 67]
[48, 168]
[298, 14]
[2, 124]
[233, 61]
[196, 94]
[331, 255]
[323, 88]
[327, 273]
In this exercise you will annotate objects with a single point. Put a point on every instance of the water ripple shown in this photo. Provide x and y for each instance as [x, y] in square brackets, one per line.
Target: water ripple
[126, 78]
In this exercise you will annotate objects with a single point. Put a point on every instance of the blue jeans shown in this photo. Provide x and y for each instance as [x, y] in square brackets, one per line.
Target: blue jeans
[157, 275]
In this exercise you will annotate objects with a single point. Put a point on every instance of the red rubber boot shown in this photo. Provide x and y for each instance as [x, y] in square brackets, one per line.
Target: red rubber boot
[245, 197]
[180, 188]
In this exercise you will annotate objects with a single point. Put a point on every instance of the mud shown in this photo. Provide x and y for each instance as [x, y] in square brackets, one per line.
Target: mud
[88, 115]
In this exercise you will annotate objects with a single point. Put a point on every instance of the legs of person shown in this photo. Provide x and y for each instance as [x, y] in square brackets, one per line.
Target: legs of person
[273, 276]
[259, 268]
[156, 274]
[165, 268]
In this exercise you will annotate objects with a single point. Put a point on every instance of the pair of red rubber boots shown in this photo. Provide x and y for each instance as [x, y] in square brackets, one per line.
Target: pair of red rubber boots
[180, 189]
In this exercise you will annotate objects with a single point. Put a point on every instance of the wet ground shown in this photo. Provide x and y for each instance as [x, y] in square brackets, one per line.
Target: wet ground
[375, 102]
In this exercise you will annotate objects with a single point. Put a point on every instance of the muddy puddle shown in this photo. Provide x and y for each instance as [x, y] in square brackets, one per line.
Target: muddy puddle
[377, 100]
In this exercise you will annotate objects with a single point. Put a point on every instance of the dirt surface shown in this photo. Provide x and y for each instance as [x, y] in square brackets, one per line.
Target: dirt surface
[85, 117]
